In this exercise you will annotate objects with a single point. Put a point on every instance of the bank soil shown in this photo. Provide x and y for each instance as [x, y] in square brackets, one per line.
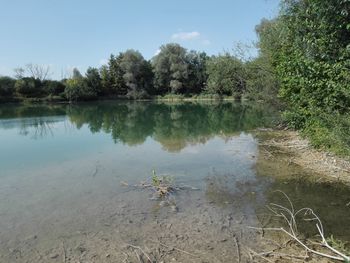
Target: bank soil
[289, 150]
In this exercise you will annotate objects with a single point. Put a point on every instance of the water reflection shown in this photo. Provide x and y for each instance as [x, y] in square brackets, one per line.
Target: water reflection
[173, 125]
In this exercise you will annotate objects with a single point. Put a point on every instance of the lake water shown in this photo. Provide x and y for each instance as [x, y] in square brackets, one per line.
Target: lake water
[70, 176]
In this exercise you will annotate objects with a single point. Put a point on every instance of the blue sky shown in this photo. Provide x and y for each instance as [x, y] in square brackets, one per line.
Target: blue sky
[81, 33]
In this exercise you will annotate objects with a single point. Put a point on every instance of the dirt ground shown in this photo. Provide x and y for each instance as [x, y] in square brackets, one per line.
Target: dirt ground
[289, 147]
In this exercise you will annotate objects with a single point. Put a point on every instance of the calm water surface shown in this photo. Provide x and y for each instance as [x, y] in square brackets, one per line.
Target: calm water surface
[62, 168]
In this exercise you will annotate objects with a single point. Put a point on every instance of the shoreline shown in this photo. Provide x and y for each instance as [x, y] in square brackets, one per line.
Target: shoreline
[156, 98]
[286, 148]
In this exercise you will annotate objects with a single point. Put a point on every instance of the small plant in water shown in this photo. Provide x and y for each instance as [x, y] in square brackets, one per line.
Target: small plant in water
[162, 184]
[163, 187]
[155, 178]
[338, 244]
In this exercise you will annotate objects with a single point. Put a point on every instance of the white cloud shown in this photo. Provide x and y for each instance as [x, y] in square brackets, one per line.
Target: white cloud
[186, 36]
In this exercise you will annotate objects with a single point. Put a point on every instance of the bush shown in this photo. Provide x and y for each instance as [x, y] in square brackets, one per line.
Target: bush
[137, 94]
[330, 132]
[29, 87]
[77, 89]
[53, 87]
[7, 86]
[171, 97]
[226, 76]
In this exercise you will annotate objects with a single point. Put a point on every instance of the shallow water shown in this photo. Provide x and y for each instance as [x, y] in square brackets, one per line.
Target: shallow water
[64, 169]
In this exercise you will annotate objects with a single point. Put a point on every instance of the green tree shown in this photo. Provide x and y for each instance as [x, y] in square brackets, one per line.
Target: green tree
[93, 80]
[53, 87]
[261, 77]
[7, 86]
[29, 87]
[313, 60]
[77, 88]
[137, 75]
[308, 45]
[106, 80]
[170, 69]
[226, 75]
[197, 72]
[261, 81]
[116, 74]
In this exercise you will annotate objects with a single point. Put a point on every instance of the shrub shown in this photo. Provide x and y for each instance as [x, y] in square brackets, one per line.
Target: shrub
[28, 87]
[77, 89]
[7, 86]
[53, 87]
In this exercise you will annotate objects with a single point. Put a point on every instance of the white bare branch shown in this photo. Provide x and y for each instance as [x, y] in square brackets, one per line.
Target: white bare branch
[307, 214]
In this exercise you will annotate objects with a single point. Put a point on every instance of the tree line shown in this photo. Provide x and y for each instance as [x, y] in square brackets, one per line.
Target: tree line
[175, 70]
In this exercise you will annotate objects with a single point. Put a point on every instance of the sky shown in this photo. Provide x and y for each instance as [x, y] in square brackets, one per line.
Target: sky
[64, 34]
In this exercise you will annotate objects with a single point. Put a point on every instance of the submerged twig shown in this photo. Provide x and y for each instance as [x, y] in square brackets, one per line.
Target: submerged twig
[172, 247]
[95, 172]
[64, 252]
[238, 249]
[257, 255]
[143, 252]
[289, 215]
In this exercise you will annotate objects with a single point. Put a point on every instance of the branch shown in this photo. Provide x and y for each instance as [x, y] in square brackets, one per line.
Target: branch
[289, 215]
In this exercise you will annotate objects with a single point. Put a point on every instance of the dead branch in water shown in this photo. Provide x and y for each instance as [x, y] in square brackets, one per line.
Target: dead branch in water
[238, 249]
[64, 252]
[171, 247]
[290, 215]
[142, 251]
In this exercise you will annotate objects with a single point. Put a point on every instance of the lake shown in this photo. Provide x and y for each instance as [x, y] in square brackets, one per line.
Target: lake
[71, 182]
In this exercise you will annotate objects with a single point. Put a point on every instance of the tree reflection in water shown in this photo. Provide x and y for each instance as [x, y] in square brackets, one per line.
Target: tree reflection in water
[173, 125]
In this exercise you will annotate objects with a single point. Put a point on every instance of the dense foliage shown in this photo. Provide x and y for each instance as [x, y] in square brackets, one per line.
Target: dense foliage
[226, 75]
[308, 46]
[314, 57]
[7, 86]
